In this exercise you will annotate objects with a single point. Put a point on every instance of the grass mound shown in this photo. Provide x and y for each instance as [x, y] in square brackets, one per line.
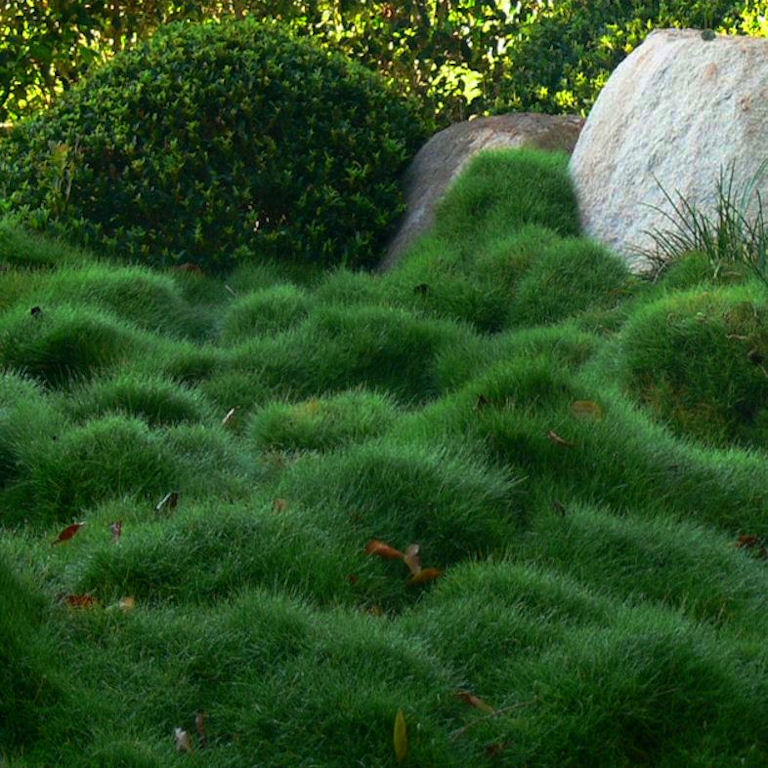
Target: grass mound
[503, 489]
[322, 423]
[697, 360]
[58, 344]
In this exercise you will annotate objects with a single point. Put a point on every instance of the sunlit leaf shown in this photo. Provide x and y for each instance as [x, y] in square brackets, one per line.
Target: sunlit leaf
[182, 740]
[230, 417]
[553, 437]
[126, 604]
[69, 532]
[425, 575]
[168, 503]
[412, 559]
[382, 549]
[587, 410]
[400, 737]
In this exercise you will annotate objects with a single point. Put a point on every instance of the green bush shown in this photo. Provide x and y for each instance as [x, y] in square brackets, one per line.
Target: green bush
[217, 142]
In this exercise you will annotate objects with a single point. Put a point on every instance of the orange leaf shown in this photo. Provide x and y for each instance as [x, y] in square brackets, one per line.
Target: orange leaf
[412, 559]
[69, 532]
[425, 575]
[475, 701]
[557, 440]
[80, 601]
[587, 409]
[382, 549]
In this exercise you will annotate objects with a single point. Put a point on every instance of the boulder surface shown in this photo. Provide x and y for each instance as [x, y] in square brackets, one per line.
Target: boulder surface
[444, 156]
[682, 108]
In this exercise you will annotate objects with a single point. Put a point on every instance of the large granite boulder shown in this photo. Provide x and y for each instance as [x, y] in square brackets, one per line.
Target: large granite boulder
[683, 107]
[444, 156]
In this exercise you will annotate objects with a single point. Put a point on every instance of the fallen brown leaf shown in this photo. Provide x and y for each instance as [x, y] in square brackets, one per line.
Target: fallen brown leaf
[382, 549]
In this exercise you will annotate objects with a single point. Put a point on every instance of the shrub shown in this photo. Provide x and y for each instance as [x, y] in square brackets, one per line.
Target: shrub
[216, 141]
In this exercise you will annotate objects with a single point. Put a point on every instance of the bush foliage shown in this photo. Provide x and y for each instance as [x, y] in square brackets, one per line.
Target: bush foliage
[460, 57]
[215, 142]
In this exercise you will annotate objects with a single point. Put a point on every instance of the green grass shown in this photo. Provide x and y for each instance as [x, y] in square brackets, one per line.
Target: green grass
[579, 453]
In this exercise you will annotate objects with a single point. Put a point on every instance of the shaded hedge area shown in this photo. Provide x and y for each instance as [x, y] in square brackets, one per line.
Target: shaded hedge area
[215, 142]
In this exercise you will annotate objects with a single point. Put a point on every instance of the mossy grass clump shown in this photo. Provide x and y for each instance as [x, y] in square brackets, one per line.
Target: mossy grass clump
[570, 276]
[592, 582]
[215, 142]
[502, 190]
[322, 423]
[105, 458]
[29, 672]
[697, 360]
[136, 294]
[24, 249]
[61, 343]
[269, 310]
[339, 347]
[453, 505]
[158, 401]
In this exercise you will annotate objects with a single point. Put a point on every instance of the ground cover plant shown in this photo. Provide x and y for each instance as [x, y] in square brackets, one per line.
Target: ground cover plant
[504, 504]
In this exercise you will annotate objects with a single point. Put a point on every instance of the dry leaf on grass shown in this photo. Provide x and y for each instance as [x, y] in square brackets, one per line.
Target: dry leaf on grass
[474, 701]
[553, 437]
[382, 549]
[400, 737]
[69, 532]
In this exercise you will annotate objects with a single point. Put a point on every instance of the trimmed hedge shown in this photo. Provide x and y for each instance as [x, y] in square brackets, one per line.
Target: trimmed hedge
[219, 142]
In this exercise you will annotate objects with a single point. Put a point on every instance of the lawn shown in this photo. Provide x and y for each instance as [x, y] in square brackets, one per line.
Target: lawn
[507, 496]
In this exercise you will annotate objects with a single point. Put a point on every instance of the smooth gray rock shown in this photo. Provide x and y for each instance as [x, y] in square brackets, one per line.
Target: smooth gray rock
[680, 108]
[444, 156]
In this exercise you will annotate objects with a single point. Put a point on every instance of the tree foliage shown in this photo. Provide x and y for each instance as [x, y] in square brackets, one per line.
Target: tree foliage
[460, 57]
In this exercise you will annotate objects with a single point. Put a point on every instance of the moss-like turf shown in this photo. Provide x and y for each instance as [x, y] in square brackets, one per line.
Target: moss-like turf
[579, 455]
